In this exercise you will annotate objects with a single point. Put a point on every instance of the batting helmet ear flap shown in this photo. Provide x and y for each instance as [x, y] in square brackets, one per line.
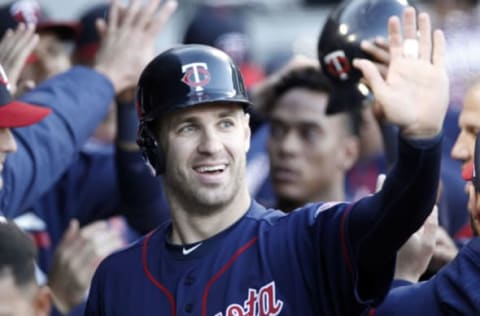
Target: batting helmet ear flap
[152, 152]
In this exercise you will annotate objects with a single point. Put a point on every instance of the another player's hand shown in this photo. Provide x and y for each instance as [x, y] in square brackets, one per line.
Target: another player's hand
[379, 51]
[76, 259]
[414, 95]
[15, 48]
[128, 40]
[445, 251]
[414, 256]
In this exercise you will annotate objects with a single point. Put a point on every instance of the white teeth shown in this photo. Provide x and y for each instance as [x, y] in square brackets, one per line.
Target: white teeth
[211, 168]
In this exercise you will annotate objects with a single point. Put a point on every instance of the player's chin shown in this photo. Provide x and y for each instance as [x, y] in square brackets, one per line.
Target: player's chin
[214, 196]
[288, 191]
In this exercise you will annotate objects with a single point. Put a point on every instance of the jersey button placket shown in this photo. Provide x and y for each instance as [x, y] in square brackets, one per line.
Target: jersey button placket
[189, 281]
[188, 308]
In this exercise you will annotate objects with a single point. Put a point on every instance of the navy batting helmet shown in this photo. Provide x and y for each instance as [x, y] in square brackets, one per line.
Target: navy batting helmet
[182, 77]
[348, 24]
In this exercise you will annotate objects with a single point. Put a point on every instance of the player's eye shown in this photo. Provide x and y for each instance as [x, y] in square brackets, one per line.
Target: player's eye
[277, 131]
[226, 123]
[186, 128]
[310, 133]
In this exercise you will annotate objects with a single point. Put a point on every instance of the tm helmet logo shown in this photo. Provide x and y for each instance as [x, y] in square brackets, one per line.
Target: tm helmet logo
[337, 64]
[196, 75]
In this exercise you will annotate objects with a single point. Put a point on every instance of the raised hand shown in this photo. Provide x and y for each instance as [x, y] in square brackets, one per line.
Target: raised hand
[15, 48]
[415, 255]
[128, 40]
[379, 51]
[414, 94]
[76, 259]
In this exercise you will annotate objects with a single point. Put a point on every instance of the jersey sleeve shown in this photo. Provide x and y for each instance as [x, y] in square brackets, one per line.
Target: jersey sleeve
[143, 196]
[79, 99]
[378, 225]
[453, 291]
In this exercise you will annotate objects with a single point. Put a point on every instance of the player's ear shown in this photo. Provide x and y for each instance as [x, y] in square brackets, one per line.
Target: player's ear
[248, 132]
[348, 153]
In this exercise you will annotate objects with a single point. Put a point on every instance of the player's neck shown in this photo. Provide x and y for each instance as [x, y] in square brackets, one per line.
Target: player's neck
[334, 193]
[191, 227]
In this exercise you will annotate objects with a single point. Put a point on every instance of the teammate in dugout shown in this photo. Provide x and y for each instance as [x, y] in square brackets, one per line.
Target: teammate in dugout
[222, 253]
[454, 289]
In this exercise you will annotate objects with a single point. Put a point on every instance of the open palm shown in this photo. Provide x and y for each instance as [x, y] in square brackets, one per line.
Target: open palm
[414, 95]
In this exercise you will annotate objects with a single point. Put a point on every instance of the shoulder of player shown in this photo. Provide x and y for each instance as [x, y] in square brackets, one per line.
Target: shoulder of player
[130, 256]
[309, 211]
[119, 258]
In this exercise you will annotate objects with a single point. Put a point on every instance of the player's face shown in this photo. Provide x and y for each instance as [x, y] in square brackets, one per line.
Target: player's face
[205, 152]
[469, 123]
[7, 145]
[307, 148]
[52, 57]
[21, 302]
[464, 147]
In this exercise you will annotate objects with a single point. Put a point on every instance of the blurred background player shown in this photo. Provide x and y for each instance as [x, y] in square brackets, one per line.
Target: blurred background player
[52, 54]
[20, 293]
[310, 152]
[226, 27]
[80, 194]
[336, 50]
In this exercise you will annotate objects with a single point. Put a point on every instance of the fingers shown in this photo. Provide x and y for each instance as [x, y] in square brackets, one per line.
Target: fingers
[73, 230]
[150, 10]
[15, 48]
[132, 12]
[15, 42]
[113, 16]
[395, 37]
[84, 248]
[430, 227]
[438, 57]
[379, 53]
[94, 227]
[163, 17]
[425, 37]
[409, 24]
[101, 26]
[371, 75]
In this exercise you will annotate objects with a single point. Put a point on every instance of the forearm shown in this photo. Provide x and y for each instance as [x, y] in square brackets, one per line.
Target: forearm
[380, 224]
[80, 99]
[142, 193]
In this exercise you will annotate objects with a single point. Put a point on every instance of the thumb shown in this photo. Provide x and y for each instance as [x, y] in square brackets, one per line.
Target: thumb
[73, 230]
[101, 27]
[430, 227]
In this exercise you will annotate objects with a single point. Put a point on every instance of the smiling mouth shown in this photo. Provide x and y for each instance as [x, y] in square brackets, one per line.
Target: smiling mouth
[212, 169]
[284, 175]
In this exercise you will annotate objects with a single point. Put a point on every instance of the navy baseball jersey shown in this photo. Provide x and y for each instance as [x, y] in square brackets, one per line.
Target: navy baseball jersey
[453, 291]
[265, 264]
[322, 259]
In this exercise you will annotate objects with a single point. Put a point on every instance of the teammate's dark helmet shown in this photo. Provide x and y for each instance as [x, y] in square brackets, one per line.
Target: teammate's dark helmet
[182, 77]
[347, 25]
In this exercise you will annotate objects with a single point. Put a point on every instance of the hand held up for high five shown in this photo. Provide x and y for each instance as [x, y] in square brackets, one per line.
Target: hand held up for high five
[15, 48]
[128, 39]
[414, 94]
